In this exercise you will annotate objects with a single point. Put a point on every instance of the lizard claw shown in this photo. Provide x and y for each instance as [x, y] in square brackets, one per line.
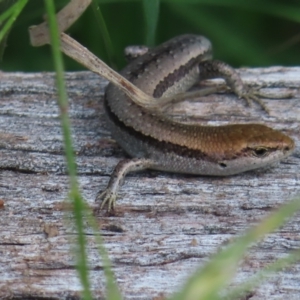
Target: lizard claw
[109, 195]
[254, 96]
[108, 198]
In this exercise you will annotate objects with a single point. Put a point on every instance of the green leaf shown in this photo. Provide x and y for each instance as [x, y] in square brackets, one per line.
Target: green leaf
[151, 13]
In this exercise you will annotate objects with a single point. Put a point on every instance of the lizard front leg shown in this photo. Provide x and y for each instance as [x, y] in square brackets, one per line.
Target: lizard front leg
[109, 195]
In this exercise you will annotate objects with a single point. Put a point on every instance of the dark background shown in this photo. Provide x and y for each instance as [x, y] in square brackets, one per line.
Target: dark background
[243, 33]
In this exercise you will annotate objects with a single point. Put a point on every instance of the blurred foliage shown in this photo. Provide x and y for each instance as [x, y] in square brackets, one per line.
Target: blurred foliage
[243, 33]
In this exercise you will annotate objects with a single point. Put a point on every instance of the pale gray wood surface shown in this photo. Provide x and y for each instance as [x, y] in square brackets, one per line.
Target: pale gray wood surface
[165, 225]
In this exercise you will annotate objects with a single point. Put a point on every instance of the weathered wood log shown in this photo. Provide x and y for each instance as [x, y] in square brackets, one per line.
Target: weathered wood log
[165, 225]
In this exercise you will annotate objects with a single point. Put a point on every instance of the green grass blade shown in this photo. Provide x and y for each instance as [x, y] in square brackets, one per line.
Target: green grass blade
[289, 11]
[7, 13]
[235, 46]
[103, 32]
[74, 193]
[81, 210]
[278, 265]
[216, 274]
[14, 12]
[112, 290]
[151, 13]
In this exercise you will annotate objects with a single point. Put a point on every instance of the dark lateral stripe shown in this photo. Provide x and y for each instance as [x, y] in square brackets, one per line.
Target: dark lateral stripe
[142, 63]
[174, 77]
[162, 146]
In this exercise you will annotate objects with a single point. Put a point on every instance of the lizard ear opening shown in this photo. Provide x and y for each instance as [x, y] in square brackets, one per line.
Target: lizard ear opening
[222, 164]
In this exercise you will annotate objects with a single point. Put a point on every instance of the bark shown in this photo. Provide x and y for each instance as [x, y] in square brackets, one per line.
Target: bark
[165, 225]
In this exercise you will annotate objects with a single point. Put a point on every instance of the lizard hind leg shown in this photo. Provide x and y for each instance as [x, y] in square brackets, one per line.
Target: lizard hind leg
[218, 69]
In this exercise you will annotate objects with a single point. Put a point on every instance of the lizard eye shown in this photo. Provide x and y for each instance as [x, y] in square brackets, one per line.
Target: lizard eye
[260, 151]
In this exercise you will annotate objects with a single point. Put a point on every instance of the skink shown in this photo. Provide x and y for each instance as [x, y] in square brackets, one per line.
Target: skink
[156, 142]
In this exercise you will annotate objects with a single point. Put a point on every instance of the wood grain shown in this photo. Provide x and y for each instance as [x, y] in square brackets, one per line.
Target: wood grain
[165, 225]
